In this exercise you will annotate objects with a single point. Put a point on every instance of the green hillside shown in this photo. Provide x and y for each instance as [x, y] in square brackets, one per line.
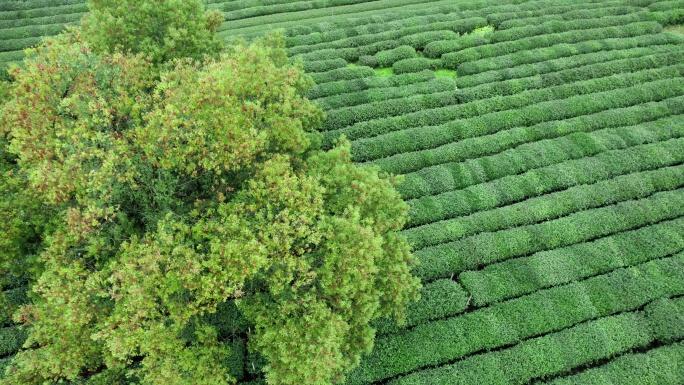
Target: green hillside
[542, 144]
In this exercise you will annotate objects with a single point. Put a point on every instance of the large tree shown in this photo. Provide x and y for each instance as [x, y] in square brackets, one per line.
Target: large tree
[151, 178]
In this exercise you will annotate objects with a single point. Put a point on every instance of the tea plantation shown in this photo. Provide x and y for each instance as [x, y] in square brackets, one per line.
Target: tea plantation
[542, 146]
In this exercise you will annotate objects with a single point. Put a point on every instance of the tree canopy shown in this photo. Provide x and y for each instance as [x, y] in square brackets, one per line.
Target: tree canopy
[162, 30]
[152, 176]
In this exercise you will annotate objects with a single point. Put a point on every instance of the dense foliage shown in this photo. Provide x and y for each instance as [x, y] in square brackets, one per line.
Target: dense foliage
[143, 190]
[542, 153]
[163, 30]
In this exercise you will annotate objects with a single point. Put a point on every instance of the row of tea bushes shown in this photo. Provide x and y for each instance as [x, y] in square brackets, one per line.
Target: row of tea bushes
[520, 276]
[450, 113]
[550, 206]
[483, 249]
[511, 189]
[453, 60]
[339, 89]
[432, 85]
[421, 138]
[561, 56]
[482, 146]
[431, 183]
[514, 321]
[562, 351]
[660, 365]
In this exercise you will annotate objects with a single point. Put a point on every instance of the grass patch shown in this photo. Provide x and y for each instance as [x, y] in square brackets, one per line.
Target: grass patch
[676, 28]
[384, 72]
[443, 73]
[487, 29]
[354, 64]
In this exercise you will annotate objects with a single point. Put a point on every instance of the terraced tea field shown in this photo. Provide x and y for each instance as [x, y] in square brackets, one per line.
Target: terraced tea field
[542, 144]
